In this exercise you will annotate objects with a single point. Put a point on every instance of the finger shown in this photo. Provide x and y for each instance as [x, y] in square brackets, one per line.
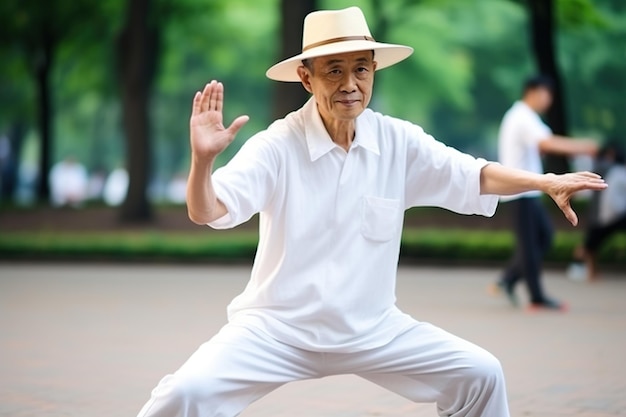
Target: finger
[206, 94]
[195, 106]
[214, 95]
[220, 97]
[597, 186]
[238, 124]
[570, 214]
[588, 174]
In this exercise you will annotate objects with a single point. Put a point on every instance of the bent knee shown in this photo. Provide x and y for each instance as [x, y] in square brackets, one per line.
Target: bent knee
[175, 392]
[477, 387]
[482, 367]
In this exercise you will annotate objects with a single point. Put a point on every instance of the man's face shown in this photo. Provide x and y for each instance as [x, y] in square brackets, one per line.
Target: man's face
[342, 84]
[542, 98]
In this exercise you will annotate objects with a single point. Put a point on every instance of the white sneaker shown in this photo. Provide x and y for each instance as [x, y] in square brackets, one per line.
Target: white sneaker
[577, 271]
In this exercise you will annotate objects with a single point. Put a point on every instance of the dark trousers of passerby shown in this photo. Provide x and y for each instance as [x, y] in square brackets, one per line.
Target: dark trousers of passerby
[533, 238]
[596, 235]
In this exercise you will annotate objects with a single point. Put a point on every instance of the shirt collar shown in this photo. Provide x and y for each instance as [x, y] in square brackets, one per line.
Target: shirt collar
[318, 140]
[365, 136]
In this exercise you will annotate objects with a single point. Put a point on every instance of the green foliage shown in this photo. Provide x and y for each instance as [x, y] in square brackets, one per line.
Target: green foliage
[580, 13]
[482, 246]
[230, 42]
[594, 61]
[127, 246]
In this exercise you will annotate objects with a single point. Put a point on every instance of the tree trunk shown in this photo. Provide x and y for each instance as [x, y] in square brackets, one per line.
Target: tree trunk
[290, 96]
[542, 39]
[43, 68]
[136, 59]
[9, 173]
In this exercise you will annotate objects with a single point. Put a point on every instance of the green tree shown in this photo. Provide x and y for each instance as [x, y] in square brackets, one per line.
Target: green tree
[137, 52]
[290, 96]
[36, 30]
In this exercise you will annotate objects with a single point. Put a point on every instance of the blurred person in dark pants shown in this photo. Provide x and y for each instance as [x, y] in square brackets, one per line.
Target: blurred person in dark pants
[522, 139]
[607, 212]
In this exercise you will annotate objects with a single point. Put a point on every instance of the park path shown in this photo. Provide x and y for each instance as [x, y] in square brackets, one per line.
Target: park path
[91, 340]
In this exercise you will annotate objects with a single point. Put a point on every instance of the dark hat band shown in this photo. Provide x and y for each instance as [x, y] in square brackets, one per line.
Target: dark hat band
[335, 40]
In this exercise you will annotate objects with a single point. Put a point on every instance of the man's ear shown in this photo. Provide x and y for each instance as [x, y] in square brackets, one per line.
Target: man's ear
[374, 65]
[305, 78]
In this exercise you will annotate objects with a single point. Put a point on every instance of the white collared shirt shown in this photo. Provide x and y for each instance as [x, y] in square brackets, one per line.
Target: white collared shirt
[330, 223]
[520, 132]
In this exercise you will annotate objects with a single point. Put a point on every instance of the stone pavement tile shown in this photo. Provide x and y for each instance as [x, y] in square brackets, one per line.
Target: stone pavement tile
[93, 340]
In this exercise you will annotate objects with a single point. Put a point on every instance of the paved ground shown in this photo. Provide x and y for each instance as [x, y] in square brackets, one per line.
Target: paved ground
[92, 340]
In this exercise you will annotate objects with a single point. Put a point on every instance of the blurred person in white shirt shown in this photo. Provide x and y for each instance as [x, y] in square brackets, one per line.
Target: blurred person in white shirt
[607, 213]
[116, 187]
[68, 183]
[522, 140]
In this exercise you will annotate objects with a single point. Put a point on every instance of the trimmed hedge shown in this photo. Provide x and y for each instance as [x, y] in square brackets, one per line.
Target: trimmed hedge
[485, 246]
[449, 246]
[127, 246]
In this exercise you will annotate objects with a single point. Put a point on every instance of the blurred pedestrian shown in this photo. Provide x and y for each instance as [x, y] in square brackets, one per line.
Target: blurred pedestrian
[68, 183]
[522, 139]
[331, 182]
[95, 187]
[607, 212]
[115, 187]
[177, 188]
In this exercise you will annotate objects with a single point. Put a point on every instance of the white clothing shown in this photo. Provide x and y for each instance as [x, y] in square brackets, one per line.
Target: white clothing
[520, 133]
[613, 199]
[68, 183]
[423, 364]
[331, 221]
[116, 187]
[321, 298]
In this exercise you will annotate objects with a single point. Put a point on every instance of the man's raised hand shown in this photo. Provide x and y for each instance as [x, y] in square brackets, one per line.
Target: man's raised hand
[208, 135]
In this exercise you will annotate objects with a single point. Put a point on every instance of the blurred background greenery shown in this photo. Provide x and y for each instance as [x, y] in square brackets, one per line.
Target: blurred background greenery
[110, 82]
[470, 59]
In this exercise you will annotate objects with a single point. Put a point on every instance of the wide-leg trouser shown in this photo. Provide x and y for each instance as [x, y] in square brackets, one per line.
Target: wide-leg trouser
[424, 364]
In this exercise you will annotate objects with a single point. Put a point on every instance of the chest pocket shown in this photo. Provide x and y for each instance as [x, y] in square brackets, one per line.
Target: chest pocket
[380, 218]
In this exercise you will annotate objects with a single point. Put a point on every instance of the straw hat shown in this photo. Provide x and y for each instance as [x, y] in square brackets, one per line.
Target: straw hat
[330, 32]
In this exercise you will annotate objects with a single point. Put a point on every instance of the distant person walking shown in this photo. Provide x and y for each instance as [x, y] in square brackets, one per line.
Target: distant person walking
[522, 139]
[68, 183]
[607, 214]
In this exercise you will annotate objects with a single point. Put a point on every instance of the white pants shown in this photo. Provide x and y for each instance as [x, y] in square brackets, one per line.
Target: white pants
[424, 364]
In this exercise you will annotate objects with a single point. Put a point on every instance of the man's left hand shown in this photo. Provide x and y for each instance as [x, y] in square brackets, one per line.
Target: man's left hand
[563, 187]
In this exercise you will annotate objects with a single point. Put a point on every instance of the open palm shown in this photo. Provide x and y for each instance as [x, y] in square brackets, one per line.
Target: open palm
[208, 135]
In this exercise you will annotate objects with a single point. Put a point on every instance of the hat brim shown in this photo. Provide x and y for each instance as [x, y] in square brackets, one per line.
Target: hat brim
[385, 55]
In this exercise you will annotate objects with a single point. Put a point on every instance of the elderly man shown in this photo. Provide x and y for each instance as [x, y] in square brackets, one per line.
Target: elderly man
[331, 182]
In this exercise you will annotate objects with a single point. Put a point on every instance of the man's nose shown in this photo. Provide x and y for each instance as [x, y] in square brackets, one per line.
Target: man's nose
[348, 83]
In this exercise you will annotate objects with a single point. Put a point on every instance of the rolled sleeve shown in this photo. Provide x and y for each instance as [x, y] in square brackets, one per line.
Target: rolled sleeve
[245, 184]
[485, 204]
[227, 221]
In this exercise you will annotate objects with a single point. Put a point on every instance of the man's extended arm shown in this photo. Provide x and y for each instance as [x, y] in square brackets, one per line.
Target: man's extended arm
[499, 180]
[208, 138]
[562, 145]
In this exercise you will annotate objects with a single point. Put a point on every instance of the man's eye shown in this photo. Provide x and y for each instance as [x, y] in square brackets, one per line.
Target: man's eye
[335, 72]
[362, 69]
